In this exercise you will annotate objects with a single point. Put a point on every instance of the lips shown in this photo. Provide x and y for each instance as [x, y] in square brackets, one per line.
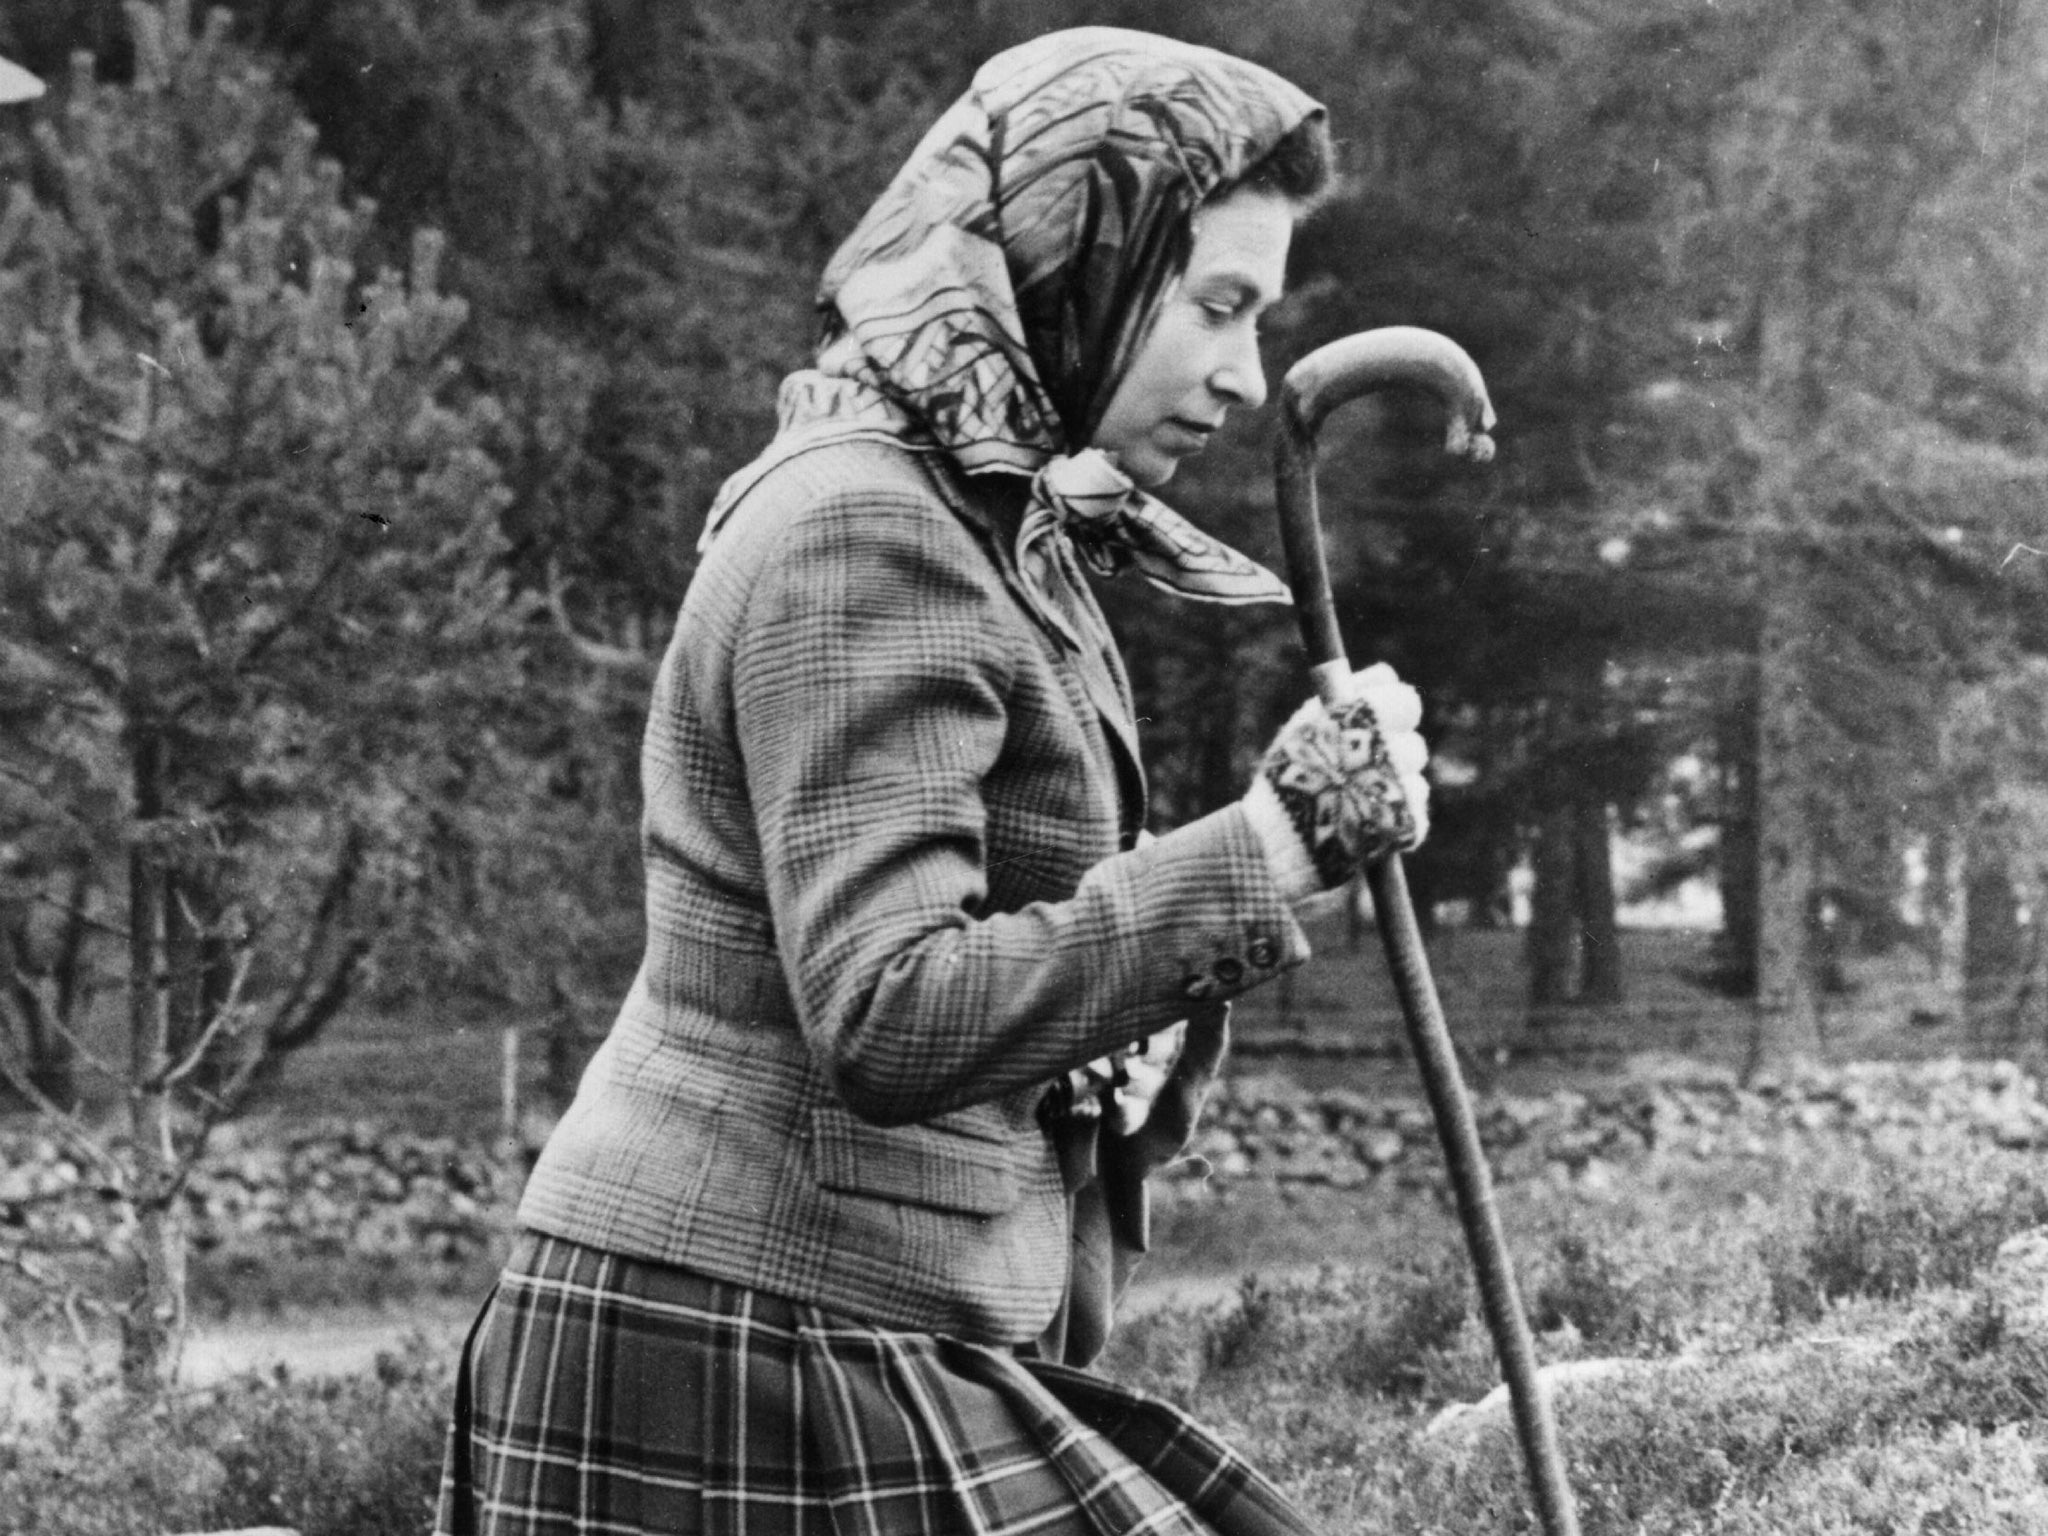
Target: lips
[1195, 434]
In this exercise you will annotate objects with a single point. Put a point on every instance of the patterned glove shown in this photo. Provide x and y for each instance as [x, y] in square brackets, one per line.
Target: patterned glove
[1340, 789]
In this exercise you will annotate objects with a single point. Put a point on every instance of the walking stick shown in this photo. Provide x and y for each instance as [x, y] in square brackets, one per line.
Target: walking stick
[1314, 387]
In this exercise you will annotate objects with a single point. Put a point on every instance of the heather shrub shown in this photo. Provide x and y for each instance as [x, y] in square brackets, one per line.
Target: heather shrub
[1396, 1332]
[1408, 1341]
[1912, 1227]
[1916, 1398]
[1931, 1408]
[1581, 1287]
[1247, 1332]
[357, 1456]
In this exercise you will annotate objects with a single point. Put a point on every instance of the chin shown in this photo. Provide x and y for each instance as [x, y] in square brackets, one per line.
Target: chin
[1152, 473]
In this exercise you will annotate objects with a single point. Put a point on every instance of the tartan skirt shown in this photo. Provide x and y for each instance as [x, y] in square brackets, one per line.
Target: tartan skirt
[612, 1396]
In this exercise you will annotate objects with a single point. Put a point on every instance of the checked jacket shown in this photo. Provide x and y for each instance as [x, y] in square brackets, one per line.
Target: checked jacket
[895, 888]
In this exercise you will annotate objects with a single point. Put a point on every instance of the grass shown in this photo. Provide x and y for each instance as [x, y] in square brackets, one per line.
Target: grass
[1896, 1397]
[356, 1457]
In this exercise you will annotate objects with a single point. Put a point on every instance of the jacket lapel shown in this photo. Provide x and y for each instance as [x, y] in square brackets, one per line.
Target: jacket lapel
[1087, 647]
[1109, 690]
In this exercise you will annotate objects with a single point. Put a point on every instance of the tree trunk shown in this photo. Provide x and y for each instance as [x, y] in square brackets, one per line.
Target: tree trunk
[153, 1319]
[1599, 927]
[1787, 1019]
[1738, 850]
[1494, 852]
[1949, 875]
[1552, 937]
[565, 1053]
[1592, 849]
[1994, 949]
[2033, 967]
[1574, 935]
[1214, 713]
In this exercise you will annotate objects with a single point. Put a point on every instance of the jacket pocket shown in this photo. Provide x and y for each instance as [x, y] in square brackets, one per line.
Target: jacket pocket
[913, 1164]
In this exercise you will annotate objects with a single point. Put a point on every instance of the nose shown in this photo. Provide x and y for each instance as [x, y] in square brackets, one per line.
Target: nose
[1239, 376]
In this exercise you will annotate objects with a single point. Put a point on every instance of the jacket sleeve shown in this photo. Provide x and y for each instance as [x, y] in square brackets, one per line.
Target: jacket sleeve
[869, 691]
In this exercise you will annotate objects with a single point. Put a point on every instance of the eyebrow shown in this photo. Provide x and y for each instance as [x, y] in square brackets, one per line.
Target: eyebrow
[1243, 288]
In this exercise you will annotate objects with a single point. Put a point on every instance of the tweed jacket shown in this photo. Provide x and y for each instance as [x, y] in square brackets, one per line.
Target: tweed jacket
[894, 890]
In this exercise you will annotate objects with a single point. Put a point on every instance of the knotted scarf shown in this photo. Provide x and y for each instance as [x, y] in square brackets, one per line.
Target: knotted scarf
[988, 304]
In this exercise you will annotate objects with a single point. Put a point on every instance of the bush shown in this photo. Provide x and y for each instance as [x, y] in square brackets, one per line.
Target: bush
[1910, 1397]
[1583, 1289]
[1398, 1344]
[1243, 1335]
[1917, 1228]
[350, 1457]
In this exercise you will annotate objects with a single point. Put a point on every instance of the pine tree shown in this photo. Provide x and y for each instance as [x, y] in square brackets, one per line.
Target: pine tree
[252, 602]
[1859, 438]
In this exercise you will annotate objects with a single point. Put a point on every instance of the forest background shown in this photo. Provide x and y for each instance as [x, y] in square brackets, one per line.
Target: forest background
[366, 367]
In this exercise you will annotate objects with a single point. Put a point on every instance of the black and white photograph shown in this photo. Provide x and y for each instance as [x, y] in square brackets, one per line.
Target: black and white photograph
[1023, 768]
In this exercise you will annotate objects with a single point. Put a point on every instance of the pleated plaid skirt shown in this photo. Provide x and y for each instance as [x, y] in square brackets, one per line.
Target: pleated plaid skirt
[603, 1394]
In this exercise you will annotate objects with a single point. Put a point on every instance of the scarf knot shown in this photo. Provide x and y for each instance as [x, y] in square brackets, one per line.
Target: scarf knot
[1085, 500]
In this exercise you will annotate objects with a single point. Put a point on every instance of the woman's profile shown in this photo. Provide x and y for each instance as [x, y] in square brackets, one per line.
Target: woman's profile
[826, 1241]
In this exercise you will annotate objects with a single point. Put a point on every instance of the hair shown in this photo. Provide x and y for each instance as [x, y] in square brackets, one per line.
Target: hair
[1301, 167]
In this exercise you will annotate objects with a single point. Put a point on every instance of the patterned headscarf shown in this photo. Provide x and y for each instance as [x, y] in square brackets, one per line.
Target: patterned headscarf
[990, 301]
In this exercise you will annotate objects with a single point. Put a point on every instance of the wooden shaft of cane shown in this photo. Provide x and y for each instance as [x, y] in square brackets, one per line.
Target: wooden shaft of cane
[1403, 356]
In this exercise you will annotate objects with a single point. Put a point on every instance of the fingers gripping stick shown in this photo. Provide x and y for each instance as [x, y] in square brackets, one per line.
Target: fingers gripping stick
[1405, 357]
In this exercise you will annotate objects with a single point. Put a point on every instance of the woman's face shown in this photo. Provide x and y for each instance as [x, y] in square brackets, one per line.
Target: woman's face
[1201, 356]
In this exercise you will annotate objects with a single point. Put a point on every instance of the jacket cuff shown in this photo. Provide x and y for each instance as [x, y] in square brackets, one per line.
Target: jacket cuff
[1243, 930]
[1286, 856]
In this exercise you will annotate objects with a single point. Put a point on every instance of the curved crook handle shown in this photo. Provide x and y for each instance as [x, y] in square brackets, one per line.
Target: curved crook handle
[1406, 357]
[1403, 356]
[1395, 356]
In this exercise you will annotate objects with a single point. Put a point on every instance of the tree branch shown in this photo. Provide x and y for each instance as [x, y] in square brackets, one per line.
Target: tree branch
[63, 1294]
[223, 1021]
[66, 1123]
[38, 1019]
[1926, 541]
[77, 923]
[598, 653]
[218, 1106]
[324, 1002]
[67, 965]
[262, 640]
[333, 897]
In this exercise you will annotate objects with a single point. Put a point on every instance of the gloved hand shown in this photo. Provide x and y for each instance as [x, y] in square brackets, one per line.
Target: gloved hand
[1338, 790]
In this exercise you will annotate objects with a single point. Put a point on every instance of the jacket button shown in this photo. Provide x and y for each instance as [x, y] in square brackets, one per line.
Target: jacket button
[1264, 953]
[1197, 987]
[1229, 970]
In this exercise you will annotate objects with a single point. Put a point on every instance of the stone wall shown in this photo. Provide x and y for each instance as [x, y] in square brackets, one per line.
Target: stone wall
[325, 1188]
[364, 1189]
[1269, 1128]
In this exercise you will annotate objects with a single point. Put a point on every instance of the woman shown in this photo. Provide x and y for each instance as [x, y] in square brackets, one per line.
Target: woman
[809, 1248]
